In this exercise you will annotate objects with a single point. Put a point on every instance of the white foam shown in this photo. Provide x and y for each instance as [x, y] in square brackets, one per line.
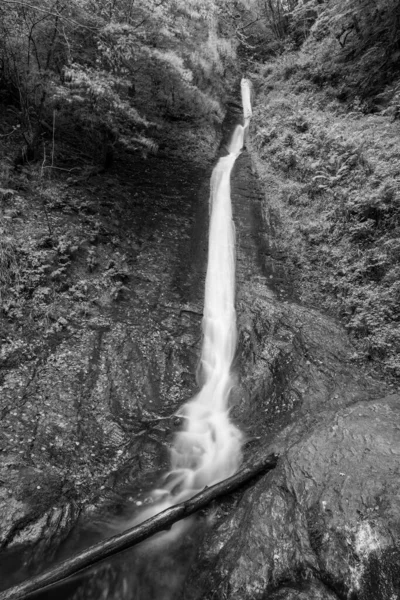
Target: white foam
[208, 449]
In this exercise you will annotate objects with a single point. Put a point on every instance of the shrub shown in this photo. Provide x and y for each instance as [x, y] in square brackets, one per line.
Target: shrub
[336, 182]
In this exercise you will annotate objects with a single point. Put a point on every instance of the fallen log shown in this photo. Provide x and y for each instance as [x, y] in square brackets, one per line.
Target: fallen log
[139, 533]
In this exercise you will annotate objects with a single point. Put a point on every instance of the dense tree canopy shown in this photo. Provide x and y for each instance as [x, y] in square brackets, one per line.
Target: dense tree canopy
[115, 69]
[358, 40]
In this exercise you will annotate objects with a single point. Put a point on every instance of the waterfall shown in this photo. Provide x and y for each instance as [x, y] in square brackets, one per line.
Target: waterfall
[208, 449]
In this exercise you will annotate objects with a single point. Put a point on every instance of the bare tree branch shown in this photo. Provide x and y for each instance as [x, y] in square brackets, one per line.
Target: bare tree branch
[49, 12]
[248, 24]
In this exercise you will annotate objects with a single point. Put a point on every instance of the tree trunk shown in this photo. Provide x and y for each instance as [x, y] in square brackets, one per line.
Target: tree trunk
[133, 536]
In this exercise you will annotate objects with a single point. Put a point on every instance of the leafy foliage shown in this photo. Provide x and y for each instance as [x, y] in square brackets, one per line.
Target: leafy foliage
[334, 165]
[102, 72]
[335, 176]
[352, 44]
[367, 36]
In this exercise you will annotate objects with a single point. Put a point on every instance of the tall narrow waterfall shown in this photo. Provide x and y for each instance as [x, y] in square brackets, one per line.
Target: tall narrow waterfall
[208, 449]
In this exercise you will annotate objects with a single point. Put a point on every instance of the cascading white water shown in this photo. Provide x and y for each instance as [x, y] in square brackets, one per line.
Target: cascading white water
[208, 449]
[246, 102]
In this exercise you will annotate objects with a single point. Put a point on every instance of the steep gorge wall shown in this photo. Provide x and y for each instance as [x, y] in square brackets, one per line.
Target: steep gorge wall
[92, 412]
[323, 525]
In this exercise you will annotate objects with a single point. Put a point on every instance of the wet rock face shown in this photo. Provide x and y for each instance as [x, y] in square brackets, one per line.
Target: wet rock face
[329, 512]
[90, 422]
[325, 523]
[92, 415]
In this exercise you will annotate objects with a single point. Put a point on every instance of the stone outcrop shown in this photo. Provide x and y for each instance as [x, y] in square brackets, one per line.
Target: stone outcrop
[92, 410]
[325, 523]
[97, 410]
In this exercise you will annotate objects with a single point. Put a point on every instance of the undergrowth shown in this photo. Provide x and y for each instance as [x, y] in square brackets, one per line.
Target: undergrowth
[333, 175]
[58, 259]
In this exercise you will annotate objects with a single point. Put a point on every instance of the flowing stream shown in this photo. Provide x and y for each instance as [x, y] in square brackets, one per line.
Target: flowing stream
[208, 448]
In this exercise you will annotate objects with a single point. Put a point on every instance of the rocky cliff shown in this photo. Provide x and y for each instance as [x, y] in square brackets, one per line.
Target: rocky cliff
[89, 416]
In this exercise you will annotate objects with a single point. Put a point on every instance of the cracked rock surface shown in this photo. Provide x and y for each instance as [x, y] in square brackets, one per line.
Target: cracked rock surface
[96, 414]
[90, 407]
[325, 523]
